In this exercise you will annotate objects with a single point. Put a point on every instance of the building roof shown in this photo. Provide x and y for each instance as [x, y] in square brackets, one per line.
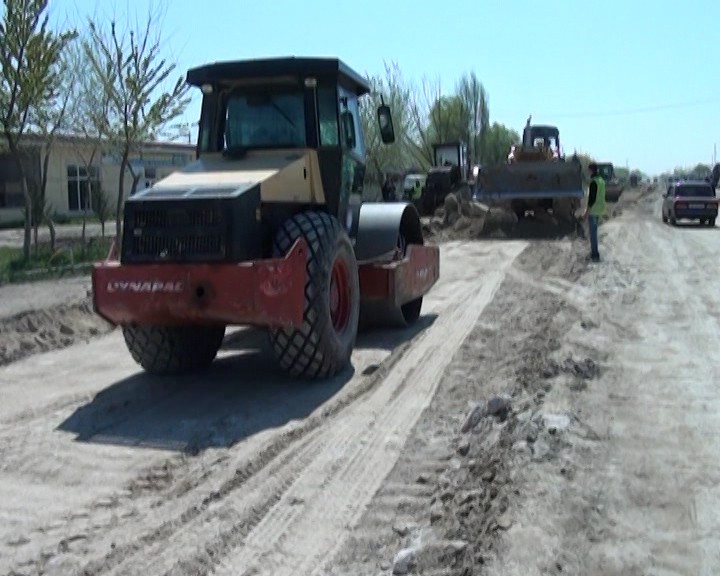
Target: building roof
[72, 138]
[274, 67]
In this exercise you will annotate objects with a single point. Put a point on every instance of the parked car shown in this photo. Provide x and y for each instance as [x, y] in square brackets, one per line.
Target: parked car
[690, 200]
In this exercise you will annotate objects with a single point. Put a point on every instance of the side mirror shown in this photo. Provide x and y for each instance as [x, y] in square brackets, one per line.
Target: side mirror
[348, 123]
[387, 132]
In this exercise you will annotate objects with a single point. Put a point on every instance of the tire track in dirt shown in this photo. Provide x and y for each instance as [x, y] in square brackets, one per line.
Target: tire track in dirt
[293, 544]
[445, 503]
[297, 511]
[642, 496]
[179, 489]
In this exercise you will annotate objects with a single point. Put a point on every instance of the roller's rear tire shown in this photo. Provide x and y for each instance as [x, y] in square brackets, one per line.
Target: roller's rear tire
[322, 346]
[165, 350]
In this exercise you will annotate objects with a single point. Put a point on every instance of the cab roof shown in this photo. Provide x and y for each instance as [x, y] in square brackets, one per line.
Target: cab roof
[327, 68]
[544, 128]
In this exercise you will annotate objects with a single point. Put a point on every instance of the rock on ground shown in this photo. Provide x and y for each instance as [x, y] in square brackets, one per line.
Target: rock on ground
[464, 456]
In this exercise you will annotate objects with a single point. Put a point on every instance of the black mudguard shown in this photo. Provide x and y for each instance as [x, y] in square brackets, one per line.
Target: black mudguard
[377, 226]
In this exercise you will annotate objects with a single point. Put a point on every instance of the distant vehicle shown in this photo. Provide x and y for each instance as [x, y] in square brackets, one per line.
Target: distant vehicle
[690, 200]
[409, 183]
[613, 187]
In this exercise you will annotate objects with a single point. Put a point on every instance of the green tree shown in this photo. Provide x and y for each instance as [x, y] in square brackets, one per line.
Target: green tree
[474, 98]
[449, 120]
[133, 74]
[30, 76]
[495, 145]
[437, 118]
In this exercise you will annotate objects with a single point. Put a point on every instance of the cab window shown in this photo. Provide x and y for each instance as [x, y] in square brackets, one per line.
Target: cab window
[328, 116]
[349, 102]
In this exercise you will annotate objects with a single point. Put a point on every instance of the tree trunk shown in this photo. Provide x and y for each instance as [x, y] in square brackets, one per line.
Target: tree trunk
[51, 229]
[85, 210]
[121, 194]
[43, 189]
[27, 236]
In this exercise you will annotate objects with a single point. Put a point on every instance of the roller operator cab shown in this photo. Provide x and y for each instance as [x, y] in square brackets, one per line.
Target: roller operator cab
[540, 143]
[267, 228]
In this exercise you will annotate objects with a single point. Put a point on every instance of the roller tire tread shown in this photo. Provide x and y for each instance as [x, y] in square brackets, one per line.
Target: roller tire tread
[310, 350]
[173, 349]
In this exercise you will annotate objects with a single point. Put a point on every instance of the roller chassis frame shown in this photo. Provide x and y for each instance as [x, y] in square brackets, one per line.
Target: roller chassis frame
[265, 292]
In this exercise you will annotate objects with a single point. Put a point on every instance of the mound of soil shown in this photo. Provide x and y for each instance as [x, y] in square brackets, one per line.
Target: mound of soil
[52, 328]
[464, 219]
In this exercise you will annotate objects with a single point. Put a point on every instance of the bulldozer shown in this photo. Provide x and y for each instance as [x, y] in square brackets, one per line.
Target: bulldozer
[266, 228]
[613, 187]
[536, 177]
[449, 173]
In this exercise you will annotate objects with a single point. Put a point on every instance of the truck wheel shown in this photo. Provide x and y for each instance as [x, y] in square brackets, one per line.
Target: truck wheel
[173, 349]
[322, 346]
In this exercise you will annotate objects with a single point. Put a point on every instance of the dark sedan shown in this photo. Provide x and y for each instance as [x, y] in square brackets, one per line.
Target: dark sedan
[690, 200]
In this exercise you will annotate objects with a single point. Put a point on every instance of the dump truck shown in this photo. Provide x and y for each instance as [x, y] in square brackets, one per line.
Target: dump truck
[266, 228]
[613, 187]
[449, 173]
[535, 177]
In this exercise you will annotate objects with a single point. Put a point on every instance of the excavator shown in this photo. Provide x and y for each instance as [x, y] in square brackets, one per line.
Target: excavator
[536, 178]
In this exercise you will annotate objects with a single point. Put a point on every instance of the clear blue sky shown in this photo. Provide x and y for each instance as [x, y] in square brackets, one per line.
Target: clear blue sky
[624, 80]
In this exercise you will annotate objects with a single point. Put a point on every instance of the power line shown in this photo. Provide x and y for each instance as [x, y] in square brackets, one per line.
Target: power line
[631, 111]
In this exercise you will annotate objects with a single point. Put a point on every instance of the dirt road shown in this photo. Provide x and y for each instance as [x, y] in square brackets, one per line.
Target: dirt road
[631, 486]
[105, 469]
[547, 416]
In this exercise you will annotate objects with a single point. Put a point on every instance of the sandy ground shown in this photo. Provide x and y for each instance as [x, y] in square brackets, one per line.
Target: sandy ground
[107, 470]
[631, 485]
[33, 296]
[49, 315]
[546, 416]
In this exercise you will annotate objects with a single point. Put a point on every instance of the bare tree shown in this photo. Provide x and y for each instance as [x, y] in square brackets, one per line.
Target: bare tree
[48, 119]
[134, 74]
[29, 80]
[392, 89]
[90, 110]
[426, 117]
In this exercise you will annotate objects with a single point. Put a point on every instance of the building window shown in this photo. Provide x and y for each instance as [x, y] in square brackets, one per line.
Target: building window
[11, 195]
[80, 180]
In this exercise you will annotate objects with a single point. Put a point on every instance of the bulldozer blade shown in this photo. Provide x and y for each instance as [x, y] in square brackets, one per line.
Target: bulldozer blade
[531, 180]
